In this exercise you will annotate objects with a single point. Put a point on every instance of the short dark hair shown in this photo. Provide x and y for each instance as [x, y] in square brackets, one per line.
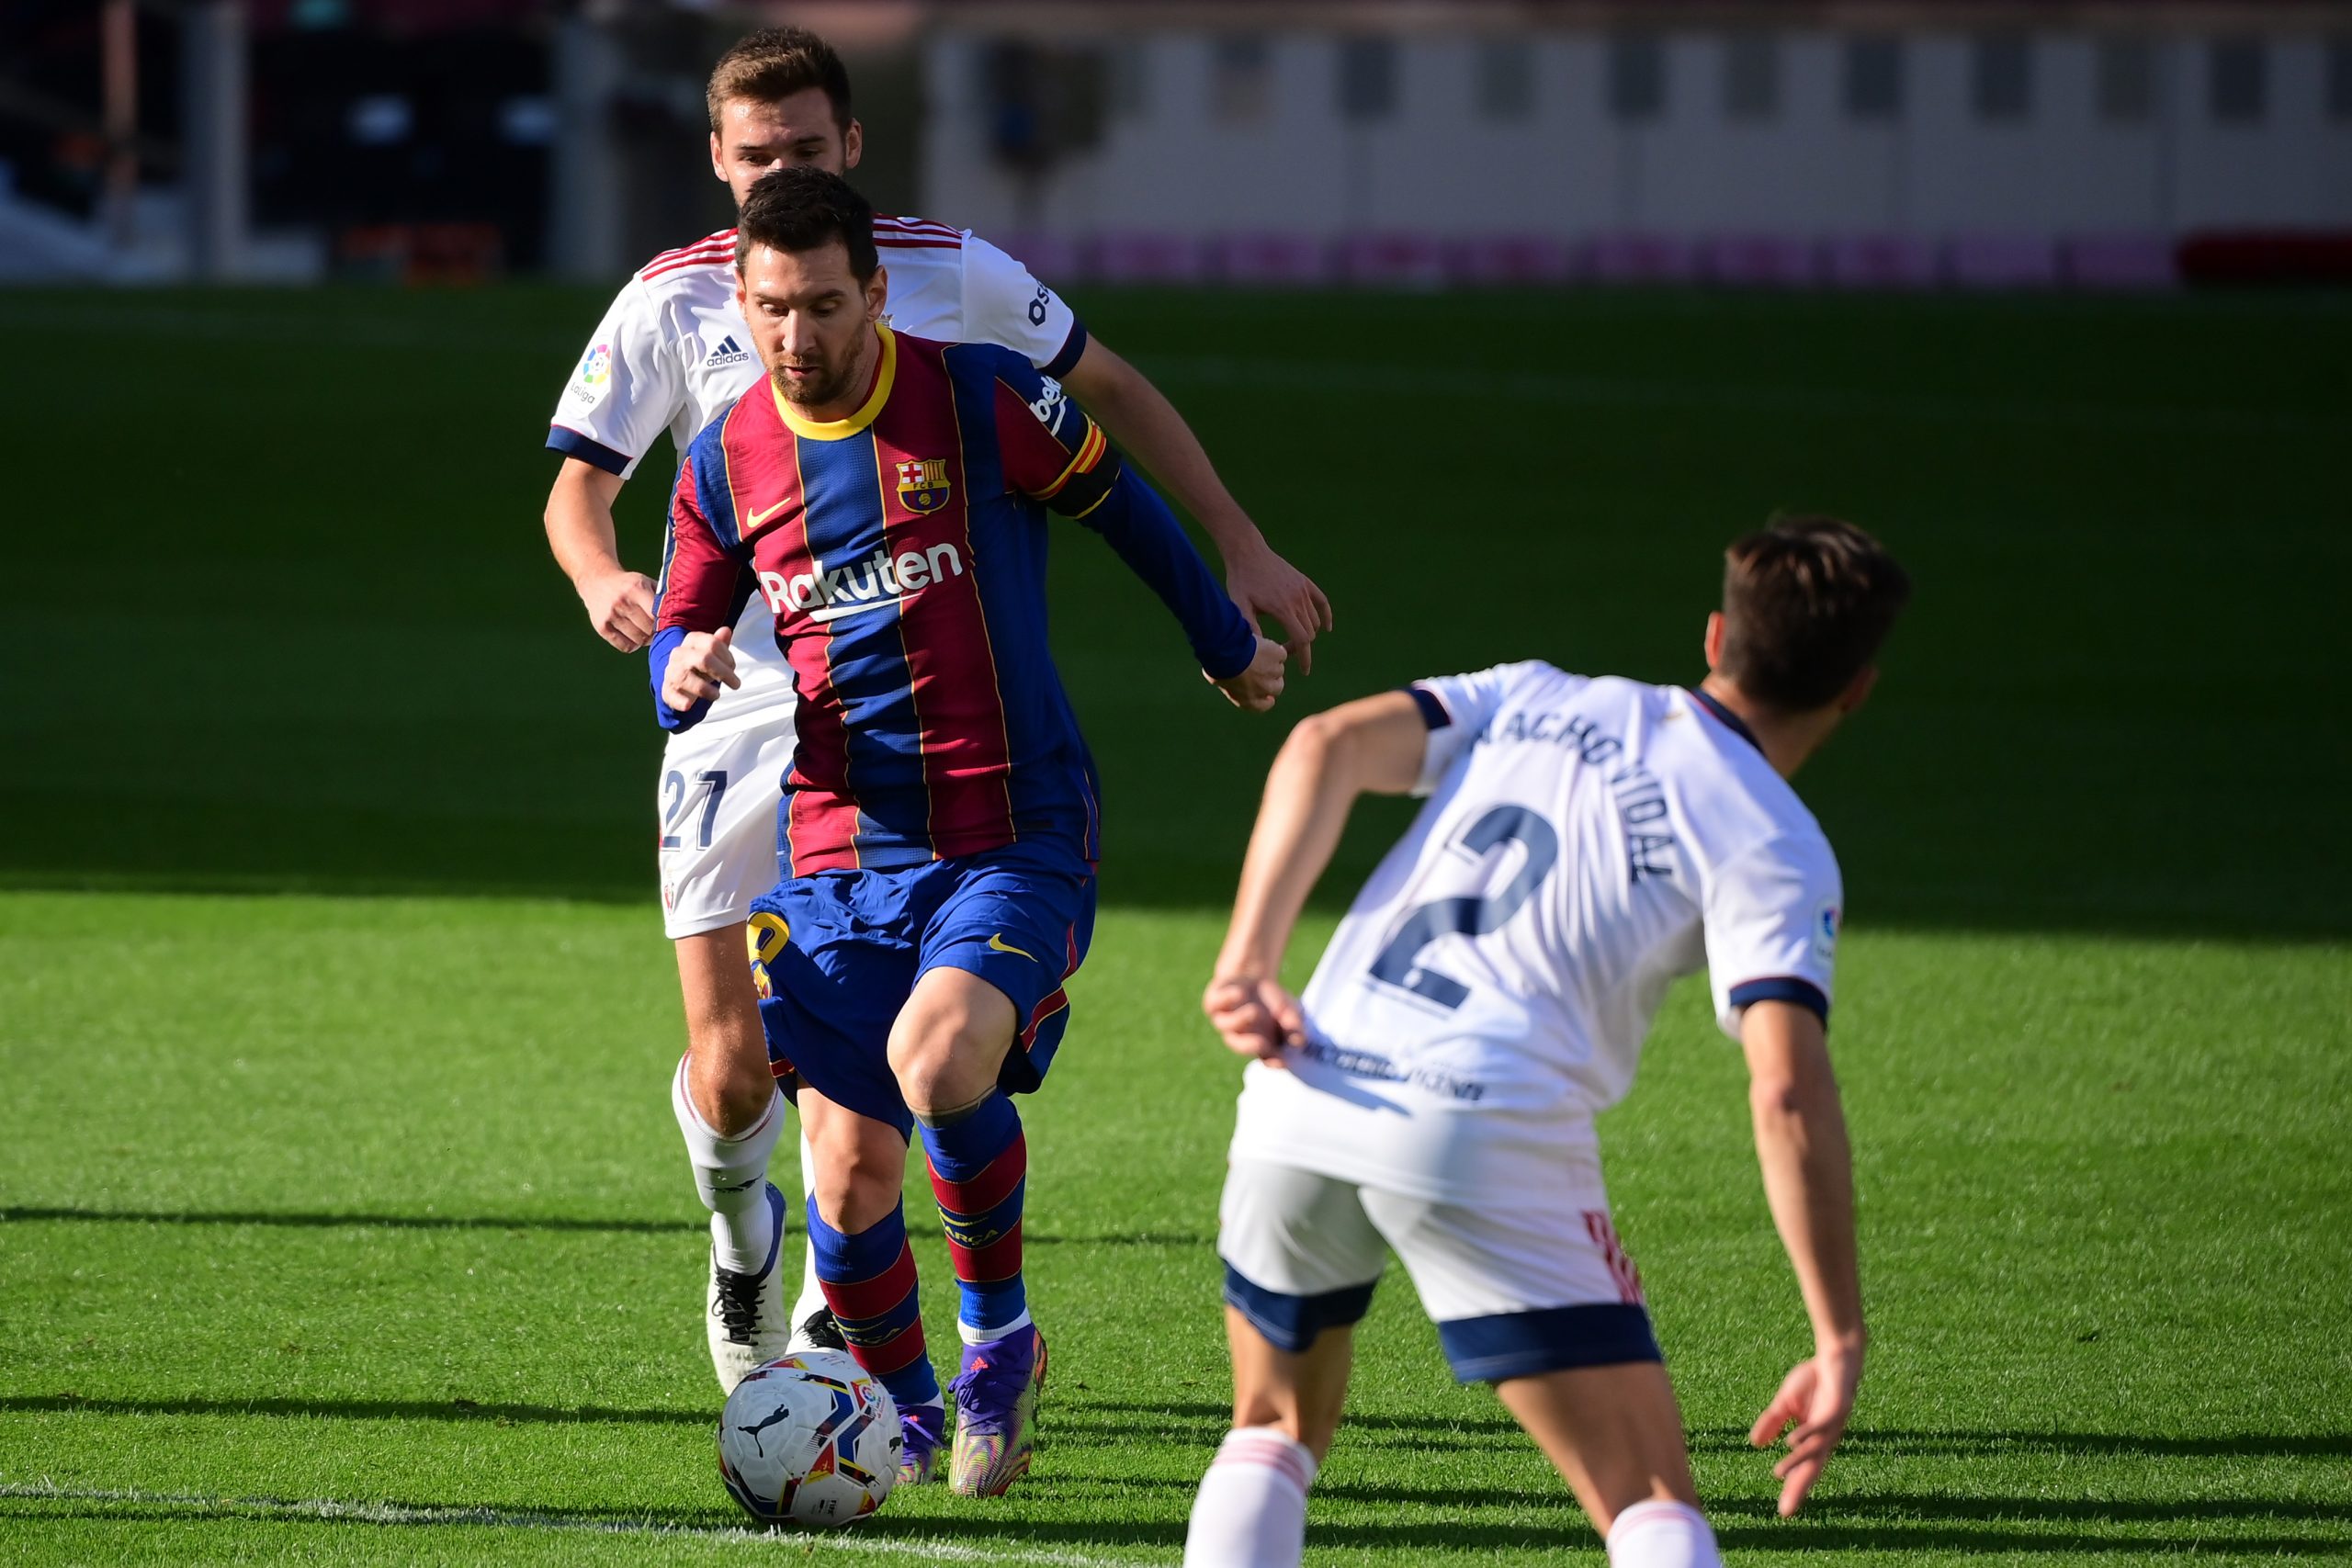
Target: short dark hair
[803, 208]
[776, 63]
[1807, 602]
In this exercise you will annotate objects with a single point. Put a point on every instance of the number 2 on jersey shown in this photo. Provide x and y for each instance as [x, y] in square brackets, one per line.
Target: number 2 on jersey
[1473, 914]
[673, 786]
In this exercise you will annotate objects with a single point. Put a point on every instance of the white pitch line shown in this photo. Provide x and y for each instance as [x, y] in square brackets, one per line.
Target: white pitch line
[804, 1542]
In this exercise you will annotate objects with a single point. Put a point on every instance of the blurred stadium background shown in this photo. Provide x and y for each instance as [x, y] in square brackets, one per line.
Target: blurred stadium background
[2111, 144]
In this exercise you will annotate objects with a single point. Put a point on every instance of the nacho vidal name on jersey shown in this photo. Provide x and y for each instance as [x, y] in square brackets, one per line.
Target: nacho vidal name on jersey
[879, 581]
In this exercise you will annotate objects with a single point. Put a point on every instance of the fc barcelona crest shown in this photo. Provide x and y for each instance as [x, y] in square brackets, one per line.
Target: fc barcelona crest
[922, 484]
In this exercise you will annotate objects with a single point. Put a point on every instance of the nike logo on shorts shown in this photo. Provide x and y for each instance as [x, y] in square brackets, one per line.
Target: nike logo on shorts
[998, 944]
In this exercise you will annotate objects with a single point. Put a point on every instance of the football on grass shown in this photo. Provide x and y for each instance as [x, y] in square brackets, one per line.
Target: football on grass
[809, 1440]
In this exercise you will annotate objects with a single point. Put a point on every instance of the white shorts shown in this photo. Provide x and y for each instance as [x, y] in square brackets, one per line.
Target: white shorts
[1514, 1291]
[721, 783]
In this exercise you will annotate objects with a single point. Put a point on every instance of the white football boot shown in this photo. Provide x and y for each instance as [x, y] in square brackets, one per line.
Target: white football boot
[749, 1322]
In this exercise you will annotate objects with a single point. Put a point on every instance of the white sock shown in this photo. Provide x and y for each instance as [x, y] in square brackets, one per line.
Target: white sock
[970, 1335]
[1662, 1534]
[1251, 1511]
[812, 1294]
[731, 1174]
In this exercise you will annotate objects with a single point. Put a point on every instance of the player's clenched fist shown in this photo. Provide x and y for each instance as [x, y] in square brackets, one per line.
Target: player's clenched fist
[1255, 1016]
[699, 665]
[620, 606]
[1257, 686]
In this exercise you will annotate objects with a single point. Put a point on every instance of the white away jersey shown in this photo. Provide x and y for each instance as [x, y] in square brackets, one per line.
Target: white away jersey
[672, 353]
[1585, 840]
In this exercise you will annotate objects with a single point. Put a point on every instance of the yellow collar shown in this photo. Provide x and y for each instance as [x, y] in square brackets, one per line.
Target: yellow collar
[837, 429]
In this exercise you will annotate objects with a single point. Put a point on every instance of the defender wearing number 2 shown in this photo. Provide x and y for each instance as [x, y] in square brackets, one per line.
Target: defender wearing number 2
[1585, 840]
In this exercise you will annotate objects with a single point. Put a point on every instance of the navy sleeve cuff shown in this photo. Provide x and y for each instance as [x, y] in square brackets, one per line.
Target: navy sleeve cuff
[1783, 989]
[571, 444]
[1073, 347]
[1433, 712]
[657, 655]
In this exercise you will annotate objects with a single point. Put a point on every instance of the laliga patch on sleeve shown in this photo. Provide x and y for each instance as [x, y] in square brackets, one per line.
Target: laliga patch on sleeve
[595, 377]
[1825, 932]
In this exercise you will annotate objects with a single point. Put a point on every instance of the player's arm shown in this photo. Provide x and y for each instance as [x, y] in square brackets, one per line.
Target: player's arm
[1375, 745]
[701, 591]
[627, 388]
[586, 545]
[1809, 1182]
[1055, 454]
[1004, 304]
[1139, 417]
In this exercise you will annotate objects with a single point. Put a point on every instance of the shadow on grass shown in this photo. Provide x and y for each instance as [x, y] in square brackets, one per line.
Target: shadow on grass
[1967, 1444]
[327, 1220]
[1958, 1443]
[359, 1410]
[1211, 1416]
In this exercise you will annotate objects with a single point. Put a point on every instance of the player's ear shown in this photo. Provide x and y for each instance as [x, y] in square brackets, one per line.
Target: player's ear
[717, 163]
[1715, 639]
[1858, 690]
[878, 293]
[852, 145]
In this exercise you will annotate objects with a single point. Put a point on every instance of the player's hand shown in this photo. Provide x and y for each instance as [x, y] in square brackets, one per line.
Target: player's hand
[1254, 1016]
[1264, 584]
[1255, 688]
[620, 606]
[698, 666]
[1815, 1398]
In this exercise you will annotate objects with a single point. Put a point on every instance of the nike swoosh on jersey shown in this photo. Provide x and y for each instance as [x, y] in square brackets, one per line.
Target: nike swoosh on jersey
[760, 518]
[998, 944]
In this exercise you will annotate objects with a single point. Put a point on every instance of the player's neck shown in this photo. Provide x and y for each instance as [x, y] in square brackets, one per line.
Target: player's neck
[1786, 740]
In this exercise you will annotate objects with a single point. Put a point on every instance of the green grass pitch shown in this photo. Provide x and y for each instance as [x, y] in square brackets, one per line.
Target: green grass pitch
[341, 1215]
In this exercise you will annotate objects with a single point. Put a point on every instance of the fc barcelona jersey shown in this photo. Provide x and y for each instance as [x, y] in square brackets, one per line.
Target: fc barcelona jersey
[902, 551]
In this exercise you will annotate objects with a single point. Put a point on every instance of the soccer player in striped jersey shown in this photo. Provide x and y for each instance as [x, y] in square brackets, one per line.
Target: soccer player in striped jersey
[673, 351]
[1585, 840]
[886, 497]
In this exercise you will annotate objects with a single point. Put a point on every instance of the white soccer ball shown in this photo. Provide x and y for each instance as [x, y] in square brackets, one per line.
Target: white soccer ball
[811, 1440]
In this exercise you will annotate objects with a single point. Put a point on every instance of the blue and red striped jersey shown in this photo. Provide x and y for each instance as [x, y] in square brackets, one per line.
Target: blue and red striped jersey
[902, 551]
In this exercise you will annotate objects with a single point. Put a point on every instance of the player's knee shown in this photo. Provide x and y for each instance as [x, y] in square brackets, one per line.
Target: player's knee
[1281, 1409]
[942, 1060]
[731, 1090]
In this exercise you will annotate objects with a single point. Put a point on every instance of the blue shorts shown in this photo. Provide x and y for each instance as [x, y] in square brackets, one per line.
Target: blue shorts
[837, 954]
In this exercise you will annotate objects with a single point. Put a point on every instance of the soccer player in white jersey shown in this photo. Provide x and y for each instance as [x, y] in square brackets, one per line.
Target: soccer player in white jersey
[1585, 840]
[673, 352]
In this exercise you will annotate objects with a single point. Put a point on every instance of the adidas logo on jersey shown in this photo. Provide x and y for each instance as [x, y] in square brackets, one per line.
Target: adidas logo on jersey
[729, 352]
[874, 584]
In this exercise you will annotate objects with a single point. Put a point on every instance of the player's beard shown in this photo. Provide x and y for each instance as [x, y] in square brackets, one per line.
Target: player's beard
[817, 391]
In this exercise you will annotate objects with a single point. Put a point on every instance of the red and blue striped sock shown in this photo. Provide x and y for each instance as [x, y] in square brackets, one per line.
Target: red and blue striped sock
[869, 1282]
[979, 1167]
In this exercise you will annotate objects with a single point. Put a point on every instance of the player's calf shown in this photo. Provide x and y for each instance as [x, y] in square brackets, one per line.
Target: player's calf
[746, 1320]
[857, 1230]
[1289, 1381]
